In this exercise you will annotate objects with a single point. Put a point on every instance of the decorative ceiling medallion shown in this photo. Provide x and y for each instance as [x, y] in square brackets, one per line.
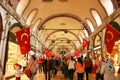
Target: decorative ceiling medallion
[63, 0]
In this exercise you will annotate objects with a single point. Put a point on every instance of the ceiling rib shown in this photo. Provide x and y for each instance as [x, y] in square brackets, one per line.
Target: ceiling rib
[64, 29]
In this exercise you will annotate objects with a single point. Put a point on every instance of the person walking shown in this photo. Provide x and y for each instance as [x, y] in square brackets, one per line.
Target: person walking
[47, 68]
[58, 65]
[108, 70]
[98, 67]
[32, 66]
[88, 66]
[65, 67]
[80, 67]
[53, 65]
[71, 68]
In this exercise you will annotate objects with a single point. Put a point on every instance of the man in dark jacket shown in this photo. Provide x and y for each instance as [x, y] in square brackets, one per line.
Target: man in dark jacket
[52, 65]
[47, 68]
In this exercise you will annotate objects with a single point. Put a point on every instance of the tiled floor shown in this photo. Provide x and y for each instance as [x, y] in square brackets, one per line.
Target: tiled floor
[59, 76]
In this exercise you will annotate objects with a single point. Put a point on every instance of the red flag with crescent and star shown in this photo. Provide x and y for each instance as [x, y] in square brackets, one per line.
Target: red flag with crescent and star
[76, 53]
[23, 37]
[84, 44]
[49, 54]
[111, 36]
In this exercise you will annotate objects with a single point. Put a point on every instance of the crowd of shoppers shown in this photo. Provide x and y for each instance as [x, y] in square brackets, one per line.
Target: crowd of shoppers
[82, 66]
[50, 67]
[102, 69]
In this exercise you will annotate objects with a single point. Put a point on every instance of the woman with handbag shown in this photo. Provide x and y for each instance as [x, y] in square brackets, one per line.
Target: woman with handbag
[31, 66]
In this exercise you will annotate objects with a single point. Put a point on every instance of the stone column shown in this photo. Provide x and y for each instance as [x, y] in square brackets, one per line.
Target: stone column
[4, 41]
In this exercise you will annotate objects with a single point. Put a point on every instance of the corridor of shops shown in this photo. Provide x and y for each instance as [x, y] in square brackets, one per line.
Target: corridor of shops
[59, 40]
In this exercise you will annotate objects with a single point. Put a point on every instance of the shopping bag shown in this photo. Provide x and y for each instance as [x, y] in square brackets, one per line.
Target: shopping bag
[28, 72]
[94, 68]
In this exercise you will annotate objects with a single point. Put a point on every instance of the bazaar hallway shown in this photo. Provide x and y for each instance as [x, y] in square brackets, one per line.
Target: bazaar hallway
[59, 28]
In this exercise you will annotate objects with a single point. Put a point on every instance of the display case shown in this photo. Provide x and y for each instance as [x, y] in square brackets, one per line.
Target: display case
[14, 56]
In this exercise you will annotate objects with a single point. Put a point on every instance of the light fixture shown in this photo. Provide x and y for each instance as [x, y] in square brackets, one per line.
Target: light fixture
[65, 31]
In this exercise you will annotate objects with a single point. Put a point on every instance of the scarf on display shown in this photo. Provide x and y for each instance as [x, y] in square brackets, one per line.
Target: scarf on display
[109, 64]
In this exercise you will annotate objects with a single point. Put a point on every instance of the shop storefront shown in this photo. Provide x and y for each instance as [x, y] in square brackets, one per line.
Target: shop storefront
[97, 46]
[13, 53]
[14, 56]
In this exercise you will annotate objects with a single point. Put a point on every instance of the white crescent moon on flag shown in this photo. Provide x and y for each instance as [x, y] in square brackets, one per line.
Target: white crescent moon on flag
[24, 34]
[112, 36]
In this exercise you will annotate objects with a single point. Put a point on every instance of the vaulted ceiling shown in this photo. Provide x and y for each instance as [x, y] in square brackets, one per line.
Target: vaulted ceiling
[60, 24]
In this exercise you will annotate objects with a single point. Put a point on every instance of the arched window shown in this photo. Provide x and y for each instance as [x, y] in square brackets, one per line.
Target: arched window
[31, 16]
[86, 33]
[36, 24]
[90, 25]
[108, 6]
[81, 33]
[80, 39]
[21, 6]
[96, 17]
[77, 44]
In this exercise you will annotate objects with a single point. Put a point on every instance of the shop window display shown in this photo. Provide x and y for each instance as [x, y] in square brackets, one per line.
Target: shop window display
[115, 56]
[14, 56]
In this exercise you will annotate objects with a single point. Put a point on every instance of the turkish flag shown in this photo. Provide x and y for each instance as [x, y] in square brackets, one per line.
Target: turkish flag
[111, 36]
[77, 53]
[84, 44]
[40, 60]
[23, 37]
[49, 54]
[45, 51]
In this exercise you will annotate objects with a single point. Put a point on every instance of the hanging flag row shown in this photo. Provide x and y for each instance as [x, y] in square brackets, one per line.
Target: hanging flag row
[23, 37]
[111, 35]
